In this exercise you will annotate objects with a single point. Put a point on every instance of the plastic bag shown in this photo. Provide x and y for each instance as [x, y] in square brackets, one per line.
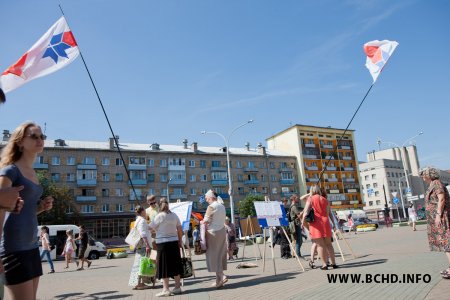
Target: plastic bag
[147, 267]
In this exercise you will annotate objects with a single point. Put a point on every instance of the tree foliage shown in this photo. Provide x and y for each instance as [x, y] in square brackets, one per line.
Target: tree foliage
[246, 207]
[63, 198]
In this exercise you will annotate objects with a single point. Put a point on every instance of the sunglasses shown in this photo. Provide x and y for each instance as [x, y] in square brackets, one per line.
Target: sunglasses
[151, 203]
[36, 137]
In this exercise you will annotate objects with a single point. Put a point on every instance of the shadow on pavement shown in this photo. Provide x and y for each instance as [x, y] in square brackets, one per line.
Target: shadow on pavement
[362, 263]
[101, 295]
[64, 296]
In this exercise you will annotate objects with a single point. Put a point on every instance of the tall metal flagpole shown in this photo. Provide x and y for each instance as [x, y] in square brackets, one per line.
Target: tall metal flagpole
[106, 116]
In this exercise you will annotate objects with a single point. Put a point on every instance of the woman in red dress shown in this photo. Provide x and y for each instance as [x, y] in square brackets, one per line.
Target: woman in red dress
[320, 228]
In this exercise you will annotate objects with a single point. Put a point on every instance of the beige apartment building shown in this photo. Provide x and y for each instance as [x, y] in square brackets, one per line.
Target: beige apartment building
[317, 147]
[95, 174]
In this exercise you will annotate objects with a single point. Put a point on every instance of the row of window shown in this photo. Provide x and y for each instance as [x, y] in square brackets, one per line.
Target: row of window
[142, 175]
[133, 160]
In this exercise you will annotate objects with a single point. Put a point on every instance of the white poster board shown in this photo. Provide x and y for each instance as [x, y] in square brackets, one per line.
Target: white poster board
[183, 211]
[270, 211]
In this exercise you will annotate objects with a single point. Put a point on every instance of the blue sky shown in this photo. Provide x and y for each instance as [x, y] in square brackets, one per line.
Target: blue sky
[166, 70]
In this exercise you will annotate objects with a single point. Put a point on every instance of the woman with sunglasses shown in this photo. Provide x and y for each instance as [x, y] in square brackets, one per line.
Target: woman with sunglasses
[19, 246]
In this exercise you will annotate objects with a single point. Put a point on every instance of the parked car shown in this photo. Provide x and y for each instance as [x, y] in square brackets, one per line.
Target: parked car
[360, 221]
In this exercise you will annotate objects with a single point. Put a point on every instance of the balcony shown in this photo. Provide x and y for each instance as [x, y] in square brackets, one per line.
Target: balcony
[86, 182]
[310, 156]
[333, 191]
[331, 179]
[356, 190]
[345, 147]
[40, 166]
[349, 169]
[177, 181]
[327, 146]
[135, 167]
[347, 158]
[287, 181]
[285, 170]
[177, 168]
[178, 196]
[138, 182]
[224, 169]
[251, 182]
[251, 170]
[348, 179]
[86, 198]
[86, 167]
[219, 182]
[312, 179]
[312, 168]
[326, 157]
[310, 145]
[331, 169]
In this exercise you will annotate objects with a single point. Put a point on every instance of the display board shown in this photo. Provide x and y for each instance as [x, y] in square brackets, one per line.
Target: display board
[183, 211]
[249, 228]
[270, 213]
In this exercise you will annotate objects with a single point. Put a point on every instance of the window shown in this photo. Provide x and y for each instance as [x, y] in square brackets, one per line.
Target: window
[151, 177]
[241, 191]
[87, 192]
[287, 176]
[151, 192]
[192, 163]
[192, 178]
[136, 160]
[39, 160]
[375, 185]
[374, 176]
[87, 209]
[105, 192]
[163, 163]
[69, 210]
[262, 165]
[204, 177]
[132, 207]
[193, 191]
[105, 177]
[105, 161]
[119, 192]
[164, 192]
[70, 161]
[218, 175]
[240, 178]
[370, 203]
[274, 191]
[366, 177]
[204, 191]
[137, 174]
[163, 177]
[273, 178]
[70, 177]
[87, 174]
[263, 178]
[119, 162]
[88, 160]
[378, 202]
[105, 208]
[202, 163]
[251, 164]
[119, 207]
[135, 194]
[283, 165]
[150, 162]
[56, 177]
[119, 177]
[215, 163]
[272, 165]
[238, 164]
[377, 193]
[264, 189]
[367, 186]
[56, 161]
[177, 191]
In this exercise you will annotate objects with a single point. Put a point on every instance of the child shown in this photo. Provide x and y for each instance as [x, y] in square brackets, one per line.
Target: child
[69, 248]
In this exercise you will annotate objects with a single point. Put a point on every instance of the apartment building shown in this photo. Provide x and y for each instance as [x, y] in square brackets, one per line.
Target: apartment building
[316, 148]
[95, 174]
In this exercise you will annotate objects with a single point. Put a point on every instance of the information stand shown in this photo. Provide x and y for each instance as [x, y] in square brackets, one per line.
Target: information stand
[270, 214]
[339, 234]
[250, 227]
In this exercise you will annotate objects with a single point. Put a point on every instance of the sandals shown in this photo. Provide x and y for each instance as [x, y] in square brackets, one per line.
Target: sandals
[312, 265]
[446, 276]
[324, 268]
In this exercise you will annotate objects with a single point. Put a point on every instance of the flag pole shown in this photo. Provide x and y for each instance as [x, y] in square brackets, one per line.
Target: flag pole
[106, 116]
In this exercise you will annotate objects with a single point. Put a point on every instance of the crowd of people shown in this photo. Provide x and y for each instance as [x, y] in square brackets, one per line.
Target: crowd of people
[160, 230]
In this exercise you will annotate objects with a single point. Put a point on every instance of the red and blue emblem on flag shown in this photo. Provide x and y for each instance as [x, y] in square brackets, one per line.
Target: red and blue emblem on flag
[378, 53]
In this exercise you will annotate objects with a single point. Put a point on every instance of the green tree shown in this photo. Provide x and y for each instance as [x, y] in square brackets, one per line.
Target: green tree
[246, 207]
[63, 198]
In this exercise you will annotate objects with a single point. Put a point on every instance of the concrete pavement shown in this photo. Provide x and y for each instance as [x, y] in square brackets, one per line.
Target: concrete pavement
[395, 252]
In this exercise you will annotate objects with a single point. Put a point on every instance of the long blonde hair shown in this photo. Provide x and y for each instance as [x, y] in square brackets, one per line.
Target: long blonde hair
[12, 152]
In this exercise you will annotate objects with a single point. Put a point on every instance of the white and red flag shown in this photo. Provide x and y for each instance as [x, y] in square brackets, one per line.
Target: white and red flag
[378, 54]
[54, 50]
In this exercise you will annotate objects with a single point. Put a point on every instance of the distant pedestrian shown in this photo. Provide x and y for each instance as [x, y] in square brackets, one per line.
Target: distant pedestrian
[412, 215]
[387, 217]
[351, 224]
[295, 224]
[84, 239]
[437, 208]
[216, 252]
[45, 242]
[69, 248]
[231, 238]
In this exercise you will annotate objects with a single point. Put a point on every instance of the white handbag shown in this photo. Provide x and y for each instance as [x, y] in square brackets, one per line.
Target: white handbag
[133, 238]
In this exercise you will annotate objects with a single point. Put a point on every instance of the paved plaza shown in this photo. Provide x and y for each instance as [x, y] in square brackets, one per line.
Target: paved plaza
[393, 251]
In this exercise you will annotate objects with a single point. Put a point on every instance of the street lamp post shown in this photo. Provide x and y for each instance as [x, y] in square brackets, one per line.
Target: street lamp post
[227, 140]
[401, 196]
[168, 196]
